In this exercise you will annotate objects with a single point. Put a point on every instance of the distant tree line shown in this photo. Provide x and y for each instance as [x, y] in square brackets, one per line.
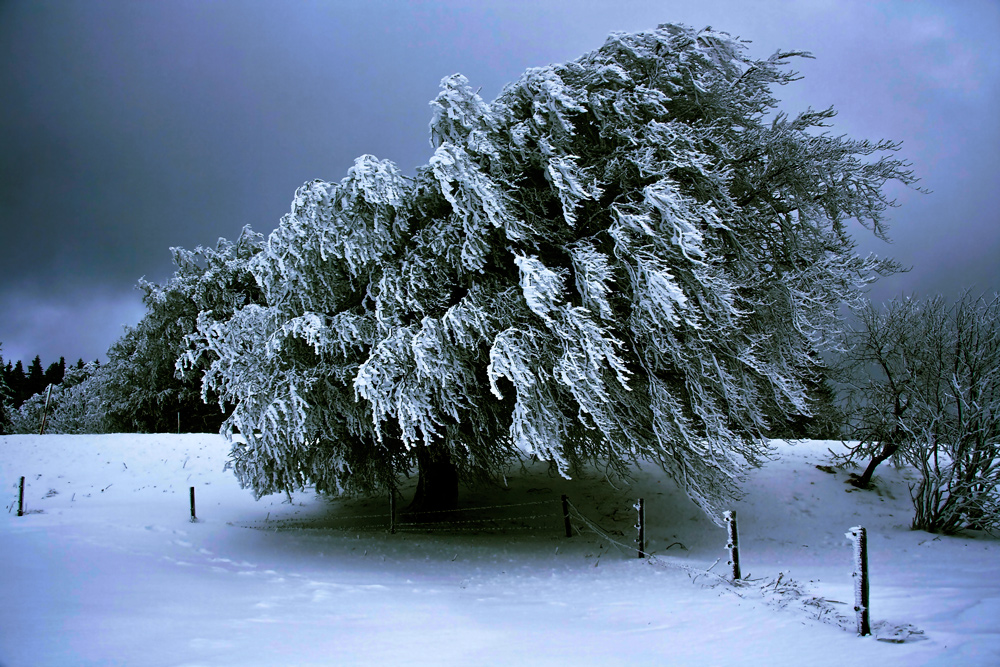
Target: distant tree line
[18, 387]
[21, 385]
[140, 389]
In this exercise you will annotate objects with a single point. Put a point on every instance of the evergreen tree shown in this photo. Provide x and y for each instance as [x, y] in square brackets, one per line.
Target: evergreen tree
[55, 372]
[629, 257]
[36, 377]
[7, 373]
[825, 420]
[17, 383]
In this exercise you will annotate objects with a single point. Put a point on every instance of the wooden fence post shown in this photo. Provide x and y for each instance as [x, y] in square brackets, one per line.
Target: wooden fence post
[193, 517]
[20, 499]
[733, 544]
[859, 537]
[392, 509]
[641, 526]
[48, 397]
[565, 509]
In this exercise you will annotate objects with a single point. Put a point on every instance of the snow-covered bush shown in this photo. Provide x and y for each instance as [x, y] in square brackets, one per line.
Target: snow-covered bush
[5, 409]
[925, 388]
[629, 257]
[5, 399]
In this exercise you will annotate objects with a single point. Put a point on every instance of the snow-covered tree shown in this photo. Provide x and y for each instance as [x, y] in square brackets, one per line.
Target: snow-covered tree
[6, 397]
[826, 420]
[629, 257]
[143, 390]
[924, 383]
[75, 406]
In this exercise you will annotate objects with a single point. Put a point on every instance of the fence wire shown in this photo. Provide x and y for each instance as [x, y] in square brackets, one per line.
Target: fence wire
[484, 507]
[634, 550]
[384, 521]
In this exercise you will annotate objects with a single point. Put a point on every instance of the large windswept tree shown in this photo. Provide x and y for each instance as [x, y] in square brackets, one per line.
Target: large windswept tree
[629, 257]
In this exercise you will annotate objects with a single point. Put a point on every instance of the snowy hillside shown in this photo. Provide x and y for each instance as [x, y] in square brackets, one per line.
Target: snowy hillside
[106, 568]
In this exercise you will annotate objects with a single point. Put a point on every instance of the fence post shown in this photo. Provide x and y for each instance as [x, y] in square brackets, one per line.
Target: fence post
[859, 537]
[565, 509]
[48, 397]
[193, 517]
[392, 509]
[733, 544]
[20, 499]
[641, 526]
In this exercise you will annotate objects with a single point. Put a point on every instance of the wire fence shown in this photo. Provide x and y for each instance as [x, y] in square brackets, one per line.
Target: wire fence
[491, 518]
[779, 591]
[369, 522]
[634, 550]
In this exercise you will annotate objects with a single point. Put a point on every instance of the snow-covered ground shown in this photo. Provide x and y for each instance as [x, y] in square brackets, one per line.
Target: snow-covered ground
[107, 569]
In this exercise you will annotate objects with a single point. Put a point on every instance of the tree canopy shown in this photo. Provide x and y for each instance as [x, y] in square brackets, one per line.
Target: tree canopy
[629, 257]
[142, 389]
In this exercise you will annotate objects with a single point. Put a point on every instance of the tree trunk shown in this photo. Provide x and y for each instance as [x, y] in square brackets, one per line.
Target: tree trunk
[865, 480]
[437, 485]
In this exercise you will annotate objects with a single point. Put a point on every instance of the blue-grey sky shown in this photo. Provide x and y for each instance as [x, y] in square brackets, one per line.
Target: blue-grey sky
[130, 127]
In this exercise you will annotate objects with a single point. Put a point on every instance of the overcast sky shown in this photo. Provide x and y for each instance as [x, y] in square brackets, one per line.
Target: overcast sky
[129, 127]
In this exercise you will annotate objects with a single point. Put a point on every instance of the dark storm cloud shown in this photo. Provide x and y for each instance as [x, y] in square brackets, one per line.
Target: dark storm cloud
[127, 128]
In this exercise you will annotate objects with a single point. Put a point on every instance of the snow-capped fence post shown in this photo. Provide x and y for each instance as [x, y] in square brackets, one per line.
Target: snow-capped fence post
[859, 537]
[565, 510]
[20, 499]
[48, 397]
[193, 517]
[733, 544]
[641, 527]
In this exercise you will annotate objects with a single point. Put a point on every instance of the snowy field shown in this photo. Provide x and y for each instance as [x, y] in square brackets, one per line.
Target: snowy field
[107, 569]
